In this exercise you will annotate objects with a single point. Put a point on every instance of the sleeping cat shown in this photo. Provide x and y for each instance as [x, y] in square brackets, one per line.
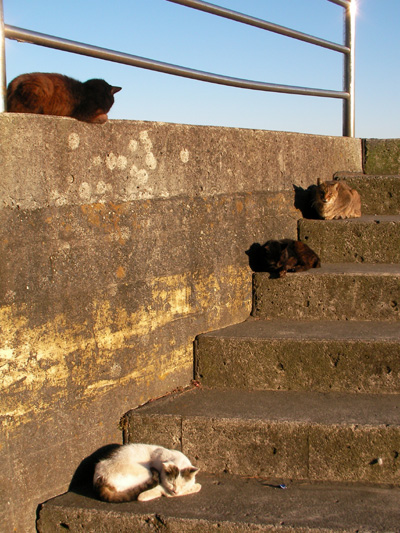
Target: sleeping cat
[287, 255]
[335, 200]
[144, 472]
[55, 94]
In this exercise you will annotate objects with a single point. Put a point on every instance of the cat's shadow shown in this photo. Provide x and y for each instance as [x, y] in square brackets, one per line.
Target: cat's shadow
[303, 200]
[257, 256]
[82, 480]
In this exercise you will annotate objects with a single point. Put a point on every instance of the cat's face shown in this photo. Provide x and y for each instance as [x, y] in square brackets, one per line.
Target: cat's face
[99, 99]
[272, 253]
[177, 481]
[327, 191]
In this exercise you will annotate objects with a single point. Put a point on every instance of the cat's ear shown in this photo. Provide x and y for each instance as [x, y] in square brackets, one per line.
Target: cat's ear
[189, 472]
[170, 469]
[318, 182]
[115, 89]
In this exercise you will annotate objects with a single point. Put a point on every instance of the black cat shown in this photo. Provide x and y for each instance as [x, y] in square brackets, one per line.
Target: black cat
[55, 94]
[281, 256]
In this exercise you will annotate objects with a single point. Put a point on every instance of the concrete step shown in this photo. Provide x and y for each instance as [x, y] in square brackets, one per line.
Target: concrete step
[278, 434]
[323, 356]
[233, 504]
[379, 194]
[381, 156]
[369, 239]
[343, 291]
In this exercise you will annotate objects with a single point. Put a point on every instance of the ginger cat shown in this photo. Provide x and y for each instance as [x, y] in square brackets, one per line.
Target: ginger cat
[335, 200]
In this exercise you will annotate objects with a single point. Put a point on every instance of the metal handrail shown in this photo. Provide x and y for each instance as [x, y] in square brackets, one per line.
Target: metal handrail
[259, 23]
[347, 95]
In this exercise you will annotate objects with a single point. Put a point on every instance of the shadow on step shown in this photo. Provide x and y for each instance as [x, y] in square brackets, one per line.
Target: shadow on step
[303, 199]
[82, 480]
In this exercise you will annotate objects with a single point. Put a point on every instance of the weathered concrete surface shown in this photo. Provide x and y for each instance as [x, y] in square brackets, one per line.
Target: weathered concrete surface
[380, 195]
[347, 291]
[295, 435]
[119, 244]
[283, 354]
[233, 504]
[381, 156]
[72, 163]
[368, 239]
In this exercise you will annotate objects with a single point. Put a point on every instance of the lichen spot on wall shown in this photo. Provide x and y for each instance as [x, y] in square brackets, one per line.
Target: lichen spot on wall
[113, 161]
[184, 155]
[133, 145]
[85, 191]
[103, 188]
[146, 141]
[150, 159]
[73, 141]
[140, 174]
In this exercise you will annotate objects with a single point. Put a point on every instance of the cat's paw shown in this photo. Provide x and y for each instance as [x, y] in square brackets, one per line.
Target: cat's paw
[196, 487]
[144, 497]
[151, 494]
[101, 118]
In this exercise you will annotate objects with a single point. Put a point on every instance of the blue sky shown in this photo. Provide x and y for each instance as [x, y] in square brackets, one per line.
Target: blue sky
[164, 31]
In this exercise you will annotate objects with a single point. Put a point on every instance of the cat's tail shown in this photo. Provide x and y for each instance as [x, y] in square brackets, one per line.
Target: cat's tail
[108, 493]
[26, 96]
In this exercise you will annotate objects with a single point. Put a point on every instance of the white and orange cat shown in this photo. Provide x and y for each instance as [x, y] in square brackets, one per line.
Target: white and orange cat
[335, 200]
[144, 472]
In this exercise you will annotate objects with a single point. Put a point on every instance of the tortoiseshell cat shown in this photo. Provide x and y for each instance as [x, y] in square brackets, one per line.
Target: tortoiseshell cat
[287, 255]
[335, 200]
[144, 472]
[55, 94]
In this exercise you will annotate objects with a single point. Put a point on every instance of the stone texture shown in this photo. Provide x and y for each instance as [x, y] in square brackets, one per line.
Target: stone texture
[381, 156]
[119, 244]
[331, 329]
[73, 163]
[296, 435]
[356, 453]
[368, 239]
[379, 194]
[332, 292]
[296, 355]
[230, 504]
[244, 446]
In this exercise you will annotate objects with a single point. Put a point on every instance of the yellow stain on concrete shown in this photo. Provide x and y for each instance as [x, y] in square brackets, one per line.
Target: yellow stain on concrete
[170, 297]
[121, 272]
[41, 364]
[173, 298]
[161, 368]
[32, 358]
[106, 217]
[279, 202]
[239, 206]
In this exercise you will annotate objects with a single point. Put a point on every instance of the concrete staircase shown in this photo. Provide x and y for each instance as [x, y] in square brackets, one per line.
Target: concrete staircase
[296, 423]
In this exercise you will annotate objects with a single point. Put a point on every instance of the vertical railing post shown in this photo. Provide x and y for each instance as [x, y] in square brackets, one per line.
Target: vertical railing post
[349, 63]
[3, 82]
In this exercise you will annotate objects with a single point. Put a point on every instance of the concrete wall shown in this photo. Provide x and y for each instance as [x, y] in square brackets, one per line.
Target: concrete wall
[381, 156]
[119, 244]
